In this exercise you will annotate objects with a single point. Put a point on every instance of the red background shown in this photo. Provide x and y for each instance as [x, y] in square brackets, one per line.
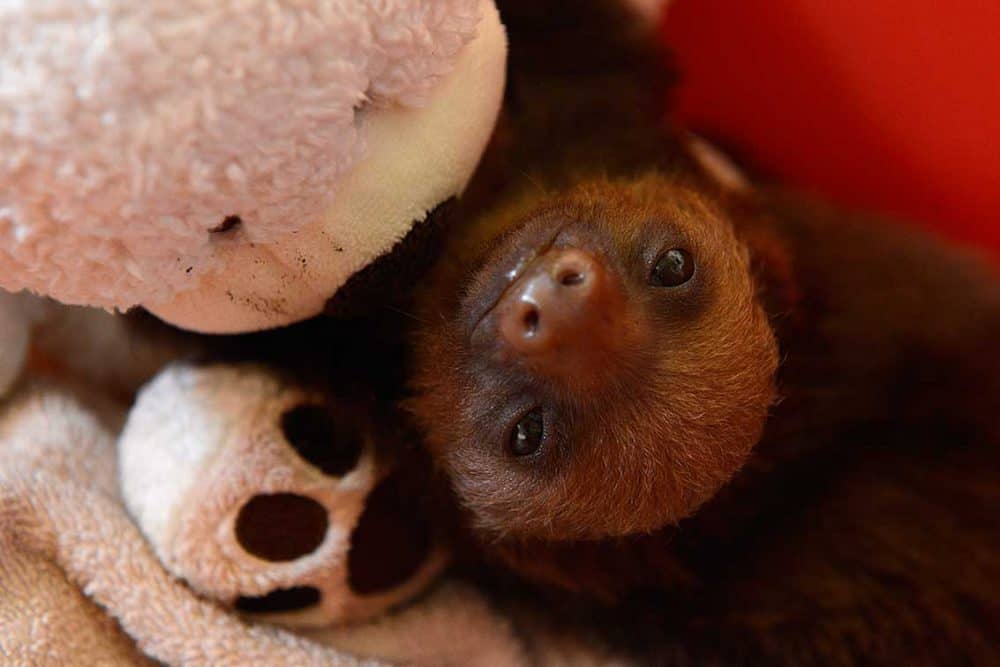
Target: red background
[892, 105]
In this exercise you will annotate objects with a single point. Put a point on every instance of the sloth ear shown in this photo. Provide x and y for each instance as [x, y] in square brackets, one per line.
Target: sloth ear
[770, 260]
[650, 11]
[716, 165]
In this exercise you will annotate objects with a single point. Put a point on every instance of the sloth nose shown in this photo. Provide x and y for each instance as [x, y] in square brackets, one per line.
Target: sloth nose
[555, 308]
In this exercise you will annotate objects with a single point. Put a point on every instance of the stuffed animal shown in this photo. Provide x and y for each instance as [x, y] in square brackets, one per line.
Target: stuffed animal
[229, 164]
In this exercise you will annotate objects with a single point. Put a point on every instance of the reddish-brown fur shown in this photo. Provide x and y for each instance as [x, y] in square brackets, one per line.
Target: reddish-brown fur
[799, 456]
[692, 369]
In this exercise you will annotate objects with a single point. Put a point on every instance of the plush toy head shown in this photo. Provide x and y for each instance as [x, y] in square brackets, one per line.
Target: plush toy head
[229, 164]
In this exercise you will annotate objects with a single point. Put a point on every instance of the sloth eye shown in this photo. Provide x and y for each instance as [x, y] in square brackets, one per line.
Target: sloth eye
[673, 268]
[527, 435]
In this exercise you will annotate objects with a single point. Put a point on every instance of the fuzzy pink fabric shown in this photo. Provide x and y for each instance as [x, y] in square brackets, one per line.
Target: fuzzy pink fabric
[128, 130]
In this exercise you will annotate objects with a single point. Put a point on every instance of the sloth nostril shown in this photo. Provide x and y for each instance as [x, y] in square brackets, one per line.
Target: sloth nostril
[571, 278]
[281, 527]
[530, 319]
[572, 267]
[334, 446]
[282, 599]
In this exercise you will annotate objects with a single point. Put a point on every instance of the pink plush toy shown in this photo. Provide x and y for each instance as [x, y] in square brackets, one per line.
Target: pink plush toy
[228, 164]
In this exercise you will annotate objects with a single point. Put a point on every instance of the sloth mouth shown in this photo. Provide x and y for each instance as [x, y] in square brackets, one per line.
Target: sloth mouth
[511, 265]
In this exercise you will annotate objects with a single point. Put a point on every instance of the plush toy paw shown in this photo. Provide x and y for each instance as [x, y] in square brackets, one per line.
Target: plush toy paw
[271, 498]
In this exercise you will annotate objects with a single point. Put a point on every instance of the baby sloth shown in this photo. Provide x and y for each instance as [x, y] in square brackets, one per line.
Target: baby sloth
[783, 418]
[605, 366]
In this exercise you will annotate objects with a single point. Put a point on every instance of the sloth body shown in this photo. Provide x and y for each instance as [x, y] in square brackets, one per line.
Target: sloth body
[781, 418]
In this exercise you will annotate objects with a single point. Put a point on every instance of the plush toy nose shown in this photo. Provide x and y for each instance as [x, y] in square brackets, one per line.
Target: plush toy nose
[560, 308]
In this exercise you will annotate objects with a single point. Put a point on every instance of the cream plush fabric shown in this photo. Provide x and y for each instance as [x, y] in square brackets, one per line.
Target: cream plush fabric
[129, 131]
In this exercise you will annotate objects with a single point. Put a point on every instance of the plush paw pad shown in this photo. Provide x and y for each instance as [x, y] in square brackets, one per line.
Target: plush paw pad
[281, 527]
[314, 432]
[390, 543]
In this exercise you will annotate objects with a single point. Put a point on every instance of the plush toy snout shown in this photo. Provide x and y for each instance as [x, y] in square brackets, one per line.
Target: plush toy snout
[230, 164]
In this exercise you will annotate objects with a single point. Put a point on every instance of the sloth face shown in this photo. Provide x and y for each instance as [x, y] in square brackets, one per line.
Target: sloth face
[604, 365]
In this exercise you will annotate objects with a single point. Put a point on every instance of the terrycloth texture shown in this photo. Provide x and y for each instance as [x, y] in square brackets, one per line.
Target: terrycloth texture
[130, 130]
[208, 447]
[44, 439]
[66, 543]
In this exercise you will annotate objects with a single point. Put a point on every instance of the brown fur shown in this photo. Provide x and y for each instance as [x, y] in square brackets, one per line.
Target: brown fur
[645, 435]
[835, 507]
